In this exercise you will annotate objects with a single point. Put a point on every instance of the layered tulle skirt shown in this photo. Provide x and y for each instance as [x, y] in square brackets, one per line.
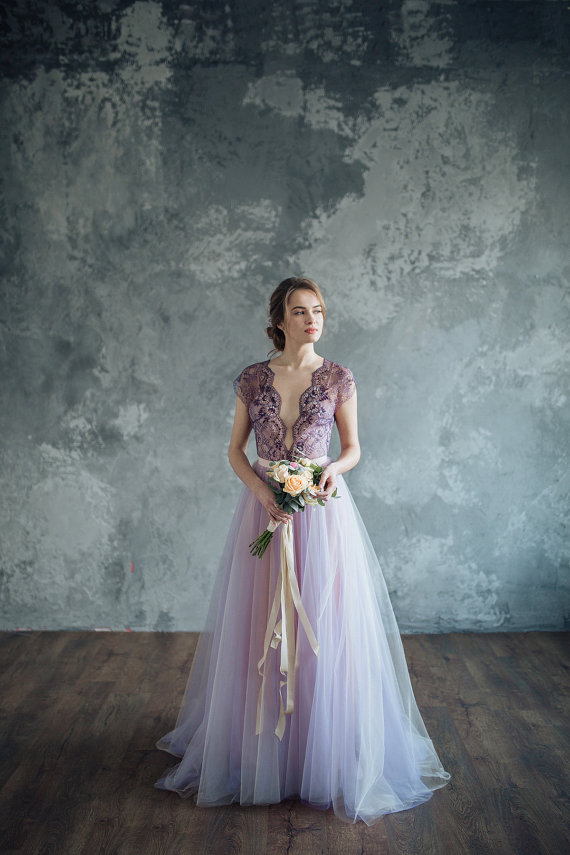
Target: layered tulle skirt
[355, 738]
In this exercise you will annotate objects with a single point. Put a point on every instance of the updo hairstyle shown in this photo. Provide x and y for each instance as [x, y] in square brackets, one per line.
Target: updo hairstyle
[280, 299]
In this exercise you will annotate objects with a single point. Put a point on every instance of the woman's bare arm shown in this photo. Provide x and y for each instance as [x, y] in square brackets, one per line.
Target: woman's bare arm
[238, 447]
[347, 424]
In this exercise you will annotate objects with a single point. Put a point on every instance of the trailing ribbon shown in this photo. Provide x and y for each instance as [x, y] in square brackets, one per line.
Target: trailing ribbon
[288, 597]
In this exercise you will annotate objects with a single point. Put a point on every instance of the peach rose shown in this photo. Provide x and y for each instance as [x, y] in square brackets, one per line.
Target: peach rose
[294, 485]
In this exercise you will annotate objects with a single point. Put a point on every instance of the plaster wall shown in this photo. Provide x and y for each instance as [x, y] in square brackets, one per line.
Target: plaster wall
[165, 165]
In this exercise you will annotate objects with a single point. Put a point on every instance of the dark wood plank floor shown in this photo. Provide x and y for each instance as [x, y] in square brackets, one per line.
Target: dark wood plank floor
[81, 711]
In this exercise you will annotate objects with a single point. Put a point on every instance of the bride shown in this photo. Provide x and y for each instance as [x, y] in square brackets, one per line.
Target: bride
[343, 728]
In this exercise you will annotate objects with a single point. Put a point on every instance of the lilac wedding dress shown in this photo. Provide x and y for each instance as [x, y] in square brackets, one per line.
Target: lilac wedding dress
[355, 738]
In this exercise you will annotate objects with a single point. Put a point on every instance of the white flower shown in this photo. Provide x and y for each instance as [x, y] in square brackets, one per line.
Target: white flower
[281, 473]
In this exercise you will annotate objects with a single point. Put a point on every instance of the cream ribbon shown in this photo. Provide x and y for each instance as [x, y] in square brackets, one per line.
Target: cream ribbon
[288, 597]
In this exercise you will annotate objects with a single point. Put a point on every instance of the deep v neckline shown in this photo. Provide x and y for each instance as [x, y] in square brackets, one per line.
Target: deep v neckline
[280, 402]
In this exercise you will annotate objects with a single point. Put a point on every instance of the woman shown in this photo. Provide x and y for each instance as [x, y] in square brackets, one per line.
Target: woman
[350, 734]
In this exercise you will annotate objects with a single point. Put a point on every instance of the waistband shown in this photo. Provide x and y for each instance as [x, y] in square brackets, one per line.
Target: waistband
[319, 460]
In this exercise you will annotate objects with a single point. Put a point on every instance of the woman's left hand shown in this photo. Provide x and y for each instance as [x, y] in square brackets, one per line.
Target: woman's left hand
[327, 483]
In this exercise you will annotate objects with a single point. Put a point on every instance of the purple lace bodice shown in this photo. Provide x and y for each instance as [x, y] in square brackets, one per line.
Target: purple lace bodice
[331, 385]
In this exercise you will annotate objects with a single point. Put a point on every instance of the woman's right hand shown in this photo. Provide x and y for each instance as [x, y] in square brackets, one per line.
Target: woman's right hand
[267, 498]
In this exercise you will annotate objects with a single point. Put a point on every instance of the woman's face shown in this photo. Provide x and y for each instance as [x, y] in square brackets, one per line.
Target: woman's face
[303, 317]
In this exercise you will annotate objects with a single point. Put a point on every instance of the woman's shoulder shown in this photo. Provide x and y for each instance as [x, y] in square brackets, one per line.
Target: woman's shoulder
[252, 372]
[254, 368]
[248, 381]
[340, 372]
[342, 383]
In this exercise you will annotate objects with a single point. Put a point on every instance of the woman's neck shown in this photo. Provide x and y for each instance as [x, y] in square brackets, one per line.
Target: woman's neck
[300, 358]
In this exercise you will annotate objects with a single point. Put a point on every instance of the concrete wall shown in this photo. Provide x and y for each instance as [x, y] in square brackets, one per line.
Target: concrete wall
[164, 166]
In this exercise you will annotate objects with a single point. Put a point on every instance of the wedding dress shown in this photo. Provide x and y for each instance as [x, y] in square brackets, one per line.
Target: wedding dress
[355, 738]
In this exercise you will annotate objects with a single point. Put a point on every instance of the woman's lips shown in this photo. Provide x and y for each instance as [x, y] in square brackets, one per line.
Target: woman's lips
[311, 330]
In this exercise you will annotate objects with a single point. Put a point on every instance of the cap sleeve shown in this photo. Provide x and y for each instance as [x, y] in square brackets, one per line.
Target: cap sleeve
[241, 387]
[346, 387]
[246, 384]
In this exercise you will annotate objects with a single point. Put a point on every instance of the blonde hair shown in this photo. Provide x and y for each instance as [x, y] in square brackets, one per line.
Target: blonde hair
[278, 302]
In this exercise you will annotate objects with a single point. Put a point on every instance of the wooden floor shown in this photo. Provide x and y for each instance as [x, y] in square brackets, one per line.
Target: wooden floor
[81, 711]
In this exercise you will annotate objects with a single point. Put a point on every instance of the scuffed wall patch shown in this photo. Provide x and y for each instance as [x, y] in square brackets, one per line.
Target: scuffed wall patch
[440, 198]
[467, 597]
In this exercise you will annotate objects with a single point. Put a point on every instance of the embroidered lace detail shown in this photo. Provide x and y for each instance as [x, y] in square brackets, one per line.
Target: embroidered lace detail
[331, 385]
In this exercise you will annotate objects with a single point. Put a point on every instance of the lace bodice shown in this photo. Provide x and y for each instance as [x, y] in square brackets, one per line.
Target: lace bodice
[331, 385]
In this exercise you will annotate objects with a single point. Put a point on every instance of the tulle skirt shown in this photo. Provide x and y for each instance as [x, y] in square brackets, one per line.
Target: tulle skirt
[355, 738]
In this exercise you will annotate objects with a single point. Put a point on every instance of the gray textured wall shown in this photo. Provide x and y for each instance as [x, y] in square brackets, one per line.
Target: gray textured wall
[164, 166]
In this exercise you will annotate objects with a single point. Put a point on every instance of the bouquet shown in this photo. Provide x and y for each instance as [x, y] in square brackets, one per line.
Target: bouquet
[295, 486]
